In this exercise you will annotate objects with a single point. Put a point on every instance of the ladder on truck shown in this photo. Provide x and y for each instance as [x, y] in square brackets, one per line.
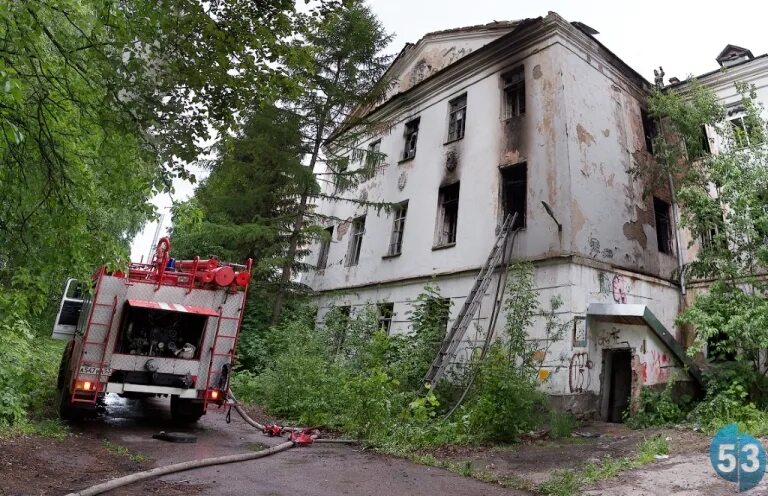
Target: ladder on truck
[471, 304]
[95, 363]
[231, 353]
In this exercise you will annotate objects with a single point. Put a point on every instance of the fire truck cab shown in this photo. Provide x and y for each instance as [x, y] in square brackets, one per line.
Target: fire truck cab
[168, 328]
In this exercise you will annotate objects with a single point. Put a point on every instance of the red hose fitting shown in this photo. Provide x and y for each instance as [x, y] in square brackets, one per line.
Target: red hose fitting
[272, 430]
[303, 438]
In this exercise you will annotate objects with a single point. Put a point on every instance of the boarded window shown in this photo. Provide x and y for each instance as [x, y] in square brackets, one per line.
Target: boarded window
[448, 214]
[457, 109]
[398, 229]
[514, 93]
[385, 311]
[411, 137]
[356, 241]
[661, 211]
[514, 184]
[325, 247]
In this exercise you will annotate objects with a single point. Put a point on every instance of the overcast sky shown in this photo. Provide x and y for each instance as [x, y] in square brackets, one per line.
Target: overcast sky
[682, 36]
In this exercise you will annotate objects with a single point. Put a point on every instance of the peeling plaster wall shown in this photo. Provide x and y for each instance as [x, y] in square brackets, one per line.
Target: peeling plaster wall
[473, 160]
[572, 368]
[612, 222]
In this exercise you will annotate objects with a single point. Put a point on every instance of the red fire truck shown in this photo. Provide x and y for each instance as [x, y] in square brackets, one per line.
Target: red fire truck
[168, 328]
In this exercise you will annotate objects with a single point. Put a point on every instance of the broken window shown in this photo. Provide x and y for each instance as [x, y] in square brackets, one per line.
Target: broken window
[457, 113]
[356, 241]
[398, 229]
[385, 311]
[514, 93]
[448, 199]
[514, 187]
[373, 157]
[325, 246]
[411, 136]
[649, 129]
[661, 211]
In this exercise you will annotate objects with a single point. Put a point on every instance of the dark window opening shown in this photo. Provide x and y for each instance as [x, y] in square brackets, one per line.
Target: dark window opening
[448, 214]
[705, 144]
[514, 184]
[398, 229]
[457, 117]
[325, 247]
[356, 241]
[661, 211]
[514, 93]
[373, 158]
[385, 311]
[161, 333]
[649, 129]
[411, 137]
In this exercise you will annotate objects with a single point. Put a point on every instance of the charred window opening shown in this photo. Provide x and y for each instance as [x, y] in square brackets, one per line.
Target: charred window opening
[661, 211]
[649, 129]
[161, 333]
[385, 311]
[411, 137]
[514, 187]
[448, 215]
[325, 247]
[514, 93]
[398, 229]
[457, 116]
[356, 241]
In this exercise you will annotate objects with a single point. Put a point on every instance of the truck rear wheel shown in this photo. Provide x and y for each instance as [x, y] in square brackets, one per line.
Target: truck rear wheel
[186, 411]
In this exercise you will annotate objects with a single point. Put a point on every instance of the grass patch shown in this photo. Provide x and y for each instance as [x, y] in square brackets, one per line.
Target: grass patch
[123, 451]
[561, 425]
[50, 428]
[571, 482]
[466, 469]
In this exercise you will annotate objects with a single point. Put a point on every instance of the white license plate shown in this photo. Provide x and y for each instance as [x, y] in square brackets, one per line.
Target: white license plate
[89, 370]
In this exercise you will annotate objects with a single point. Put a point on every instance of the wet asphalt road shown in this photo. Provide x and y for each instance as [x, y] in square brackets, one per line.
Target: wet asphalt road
[317, 470]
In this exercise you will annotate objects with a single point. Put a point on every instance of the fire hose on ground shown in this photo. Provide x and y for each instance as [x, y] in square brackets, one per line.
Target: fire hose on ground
[299, 437]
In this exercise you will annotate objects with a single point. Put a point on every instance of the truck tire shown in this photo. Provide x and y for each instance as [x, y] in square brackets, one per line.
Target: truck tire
[63, 406]
[186, 411]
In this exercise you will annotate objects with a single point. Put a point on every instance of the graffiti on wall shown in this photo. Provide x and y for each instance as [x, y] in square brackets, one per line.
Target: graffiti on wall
[609, 338]
[657, 368]
[580, 372]
[617, 286]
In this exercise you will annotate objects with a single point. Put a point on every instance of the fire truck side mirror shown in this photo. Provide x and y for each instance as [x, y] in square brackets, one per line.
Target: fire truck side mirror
[69, 311]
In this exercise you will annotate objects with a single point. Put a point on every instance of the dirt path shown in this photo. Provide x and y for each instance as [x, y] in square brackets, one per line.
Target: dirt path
[46, 467]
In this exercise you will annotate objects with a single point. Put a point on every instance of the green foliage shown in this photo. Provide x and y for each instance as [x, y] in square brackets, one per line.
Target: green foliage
[561, 425]
[658, 409]
[727, 401]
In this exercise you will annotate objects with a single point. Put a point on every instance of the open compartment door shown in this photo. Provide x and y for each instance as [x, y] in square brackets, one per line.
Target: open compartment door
[69, 311]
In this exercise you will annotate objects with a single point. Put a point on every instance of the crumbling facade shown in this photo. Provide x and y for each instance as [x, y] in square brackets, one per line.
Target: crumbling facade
[535, 117]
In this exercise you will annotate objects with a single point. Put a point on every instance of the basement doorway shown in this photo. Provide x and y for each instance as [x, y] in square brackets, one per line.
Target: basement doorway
[617, 384]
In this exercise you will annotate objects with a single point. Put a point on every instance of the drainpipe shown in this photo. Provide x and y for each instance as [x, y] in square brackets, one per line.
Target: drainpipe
[676, 221]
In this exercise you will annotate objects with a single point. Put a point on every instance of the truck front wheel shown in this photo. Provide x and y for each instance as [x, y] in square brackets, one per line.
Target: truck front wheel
[186, 411]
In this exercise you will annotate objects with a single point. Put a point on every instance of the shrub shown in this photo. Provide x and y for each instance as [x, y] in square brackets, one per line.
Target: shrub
[657, 409]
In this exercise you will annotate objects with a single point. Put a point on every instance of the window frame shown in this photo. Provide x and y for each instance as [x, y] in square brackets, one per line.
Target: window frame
[325, 248]
[373, 150]
[650, 129]
[447, 238]
[385, 317]
[513, 85]
[411, 135]
[397, 234]
[356, 234]
[457, 118]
